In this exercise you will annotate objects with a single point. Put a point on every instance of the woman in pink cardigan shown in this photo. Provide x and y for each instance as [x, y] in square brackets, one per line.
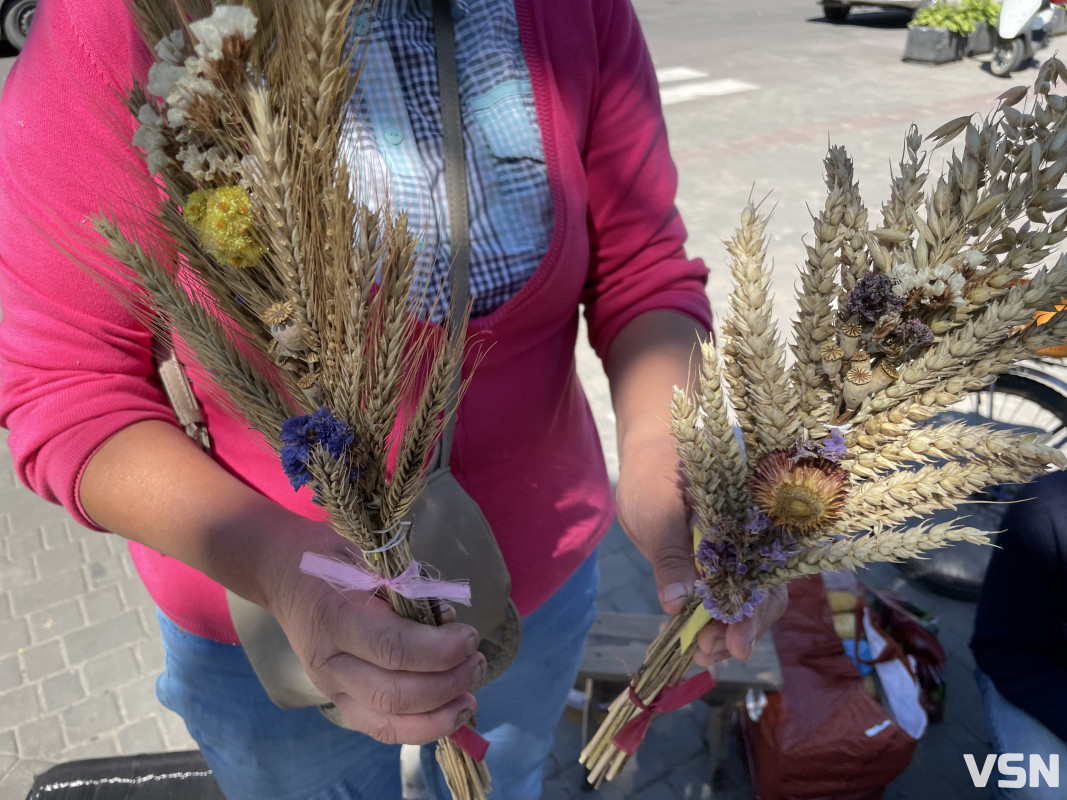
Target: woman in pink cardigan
[91, 429]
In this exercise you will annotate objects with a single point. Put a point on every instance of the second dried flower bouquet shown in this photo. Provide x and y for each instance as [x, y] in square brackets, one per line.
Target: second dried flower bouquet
[840, 451]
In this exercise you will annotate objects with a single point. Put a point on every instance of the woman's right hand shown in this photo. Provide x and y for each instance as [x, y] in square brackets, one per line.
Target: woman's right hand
[394, 679]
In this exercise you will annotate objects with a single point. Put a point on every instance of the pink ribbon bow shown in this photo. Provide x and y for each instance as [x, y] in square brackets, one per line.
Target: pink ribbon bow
[669, 699]
[409, 583]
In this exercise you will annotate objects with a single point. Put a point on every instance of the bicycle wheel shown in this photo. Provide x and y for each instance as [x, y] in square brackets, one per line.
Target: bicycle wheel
[1016, 401]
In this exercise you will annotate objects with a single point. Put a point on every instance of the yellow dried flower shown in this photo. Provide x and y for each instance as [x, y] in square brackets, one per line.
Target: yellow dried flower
[223, 219]
[799, 495]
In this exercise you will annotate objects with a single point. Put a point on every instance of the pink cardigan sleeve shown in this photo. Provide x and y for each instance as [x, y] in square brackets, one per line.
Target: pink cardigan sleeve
[75, 366]
[636, 234]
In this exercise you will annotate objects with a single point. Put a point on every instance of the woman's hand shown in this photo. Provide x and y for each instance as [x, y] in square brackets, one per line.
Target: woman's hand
[397, 680]
[652, 354]
[653, 512]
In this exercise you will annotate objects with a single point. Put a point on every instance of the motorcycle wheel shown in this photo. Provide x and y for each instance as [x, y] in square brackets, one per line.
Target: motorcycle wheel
[1007, 56]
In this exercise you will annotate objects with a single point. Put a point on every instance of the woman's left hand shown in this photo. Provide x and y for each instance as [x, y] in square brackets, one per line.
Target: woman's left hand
[654, 352]
[653, 513]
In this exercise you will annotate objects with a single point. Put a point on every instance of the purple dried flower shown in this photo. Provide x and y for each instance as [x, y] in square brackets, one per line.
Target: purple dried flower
[914, 333]
[805, 449]
[747, 609]
[299, 434]
[740, 569]
[833, 448]
[873, 297]
[756, 521]
[708, 555]
[334, 435]
[295, 465]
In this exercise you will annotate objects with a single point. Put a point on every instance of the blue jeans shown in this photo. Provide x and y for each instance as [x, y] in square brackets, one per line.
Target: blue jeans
[259, 751]
[1014, 731]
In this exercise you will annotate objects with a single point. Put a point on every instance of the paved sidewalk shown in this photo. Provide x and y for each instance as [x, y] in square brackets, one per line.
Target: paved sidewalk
[80, 651]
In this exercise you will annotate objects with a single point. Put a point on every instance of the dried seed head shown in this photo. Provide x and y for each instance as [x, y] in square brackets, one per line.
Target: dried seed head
[799, 496]
[278, 313]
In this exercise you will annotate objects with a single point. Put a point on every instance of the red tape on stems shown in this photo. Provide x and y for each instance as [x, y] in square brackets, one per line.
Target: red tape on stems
[470, 742]
[669, 699]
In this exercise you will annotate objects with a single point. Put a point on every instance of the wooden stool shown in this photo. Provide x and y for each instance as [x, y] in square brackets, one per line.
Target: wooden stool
[616, 647]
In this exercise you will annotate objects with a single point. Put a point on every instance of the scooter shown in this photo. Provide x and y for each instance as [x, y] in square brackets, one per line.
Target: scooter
[1021, 28]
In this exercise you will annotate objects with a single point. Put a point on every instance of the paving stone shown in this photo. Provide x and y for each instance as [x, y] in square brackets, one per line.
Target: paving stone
[10, 673]
[61, 691]
[14, 634]
[104, 603]
[5, 608]
[135, 595]
[42, 738]
[92, 718]
[20, 706]
[103, 747]
[8, 746]
[104, 636]
[152, 655]
[143, 736]
[42, 660]
[53, 563]
[47, 592]
[22, 542]
[16, 783]
[16, 573]
[79, 532]
[95, 548]
[104, 573]
[58, 620]
[111, 670]
[175, 732]
[139, 699]
[55, 534]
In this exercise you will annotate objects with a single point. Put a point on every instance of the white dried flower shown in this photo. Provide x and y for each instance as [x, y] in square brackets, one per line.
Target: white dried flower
[151, 138]
[162, 77]
[225, 21]
[171, 49]
[185, 92]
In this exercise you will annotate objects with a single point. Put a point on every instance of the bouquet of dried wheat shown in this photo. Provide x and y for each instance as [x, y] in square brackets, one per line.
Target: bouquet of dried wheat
[840, 450]
[298, 299]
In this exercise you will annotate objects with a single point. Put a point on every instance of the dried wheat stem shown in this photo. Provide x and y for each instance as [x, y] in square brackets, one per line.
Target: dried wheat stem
[753, 343]
[882, 545]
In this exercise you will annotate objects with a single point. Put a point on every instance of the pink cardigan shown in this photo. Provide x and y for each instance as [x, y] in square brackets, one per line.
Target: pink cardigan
[75, 366]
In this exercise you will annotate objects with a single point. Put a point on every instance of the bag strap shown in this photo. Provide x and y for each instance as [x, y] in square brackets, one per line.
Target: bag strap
[179, 390]
[456, 191]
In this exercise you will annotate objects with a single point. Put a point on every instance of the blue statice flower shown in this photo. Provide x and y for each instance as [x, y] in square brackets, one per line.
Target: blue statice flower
[709, 554]
[299, 434]
[756, 521]
[914, 333]
[703, 592]
[833, 448]
[805, 449]
[873, 297]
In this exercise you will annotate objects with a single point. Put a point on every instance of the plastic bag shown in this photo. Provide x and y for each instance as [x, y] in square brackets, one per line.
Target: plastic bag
[822, 736]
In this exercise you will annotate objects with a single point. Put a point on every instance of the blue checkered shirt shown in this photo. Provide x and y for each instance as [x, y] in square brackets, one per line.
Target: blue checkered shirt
[396, 150]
